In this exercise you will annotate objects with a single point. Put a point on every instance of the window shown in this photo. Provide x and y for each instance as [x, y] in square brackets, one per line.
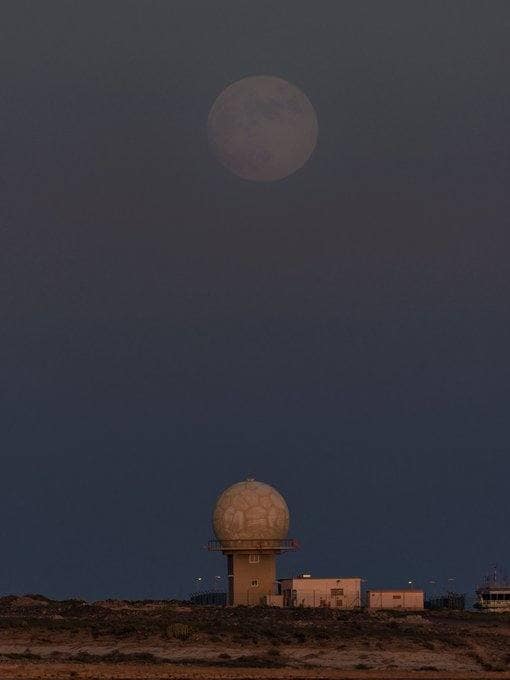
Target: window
[339, 603]
[337, 591]
[397, 597]
[498, 597]
[253, 559]
[255, 583]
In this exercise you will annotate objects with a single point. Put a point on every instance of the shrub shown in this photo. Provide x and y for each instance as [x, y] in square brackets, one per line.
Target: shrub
[179, 631]
[273, 651]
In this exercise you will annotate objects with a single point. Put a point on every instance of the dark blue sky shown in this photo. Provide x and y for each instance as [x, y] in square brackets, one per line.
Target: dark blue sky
[168, 328]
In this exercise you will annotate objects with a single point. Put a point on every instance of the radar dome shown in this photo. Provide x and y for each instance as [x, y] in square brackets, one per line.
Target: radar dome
[250, 510]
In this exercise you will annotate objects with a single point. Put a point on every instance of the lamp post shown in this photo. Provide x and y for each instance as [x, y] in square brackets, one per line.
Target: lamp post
[410, 584]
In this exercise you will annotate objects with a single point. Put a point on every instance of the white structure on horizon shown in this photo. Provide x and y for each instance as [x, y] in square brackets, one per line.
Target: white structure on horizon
[305, 591]
[251, 522]
[395, 598]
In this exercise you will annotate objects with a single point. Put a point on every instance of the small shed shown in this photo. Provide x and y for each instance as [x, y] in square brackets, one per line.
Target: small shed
[394, 598]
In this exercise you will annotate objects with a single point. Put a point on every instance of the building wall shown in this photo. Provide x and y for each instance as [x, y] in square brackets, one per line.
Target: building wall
[341, 593]
[395, 599]
[251, 581]
[273, 600]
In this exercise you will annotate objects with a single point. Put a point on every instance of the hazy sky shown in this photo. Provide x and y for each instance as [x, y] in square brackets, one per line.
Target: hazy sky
[168, 328]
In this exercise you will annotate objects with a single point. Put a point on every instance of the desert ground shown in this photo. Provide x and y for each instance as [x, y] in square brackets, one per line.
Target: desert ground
[42, 638]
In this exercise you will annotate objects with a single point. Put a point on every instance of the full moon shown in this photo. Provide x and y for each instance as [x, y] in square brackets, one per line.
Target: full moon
[262, 128]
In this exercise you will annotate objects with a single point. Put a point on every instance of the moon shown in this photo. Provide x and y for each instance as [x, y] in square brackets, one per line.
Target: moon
[262, 128]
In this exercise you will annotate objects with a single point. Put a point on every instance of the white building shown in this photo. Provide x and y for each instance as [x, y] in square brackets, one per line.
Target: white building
[305, 591]
[495, 598]
[395, 598]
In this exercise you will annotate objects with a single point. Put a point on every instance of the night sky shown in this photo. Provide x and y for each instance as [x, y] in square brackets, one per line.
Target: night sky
[168, 328]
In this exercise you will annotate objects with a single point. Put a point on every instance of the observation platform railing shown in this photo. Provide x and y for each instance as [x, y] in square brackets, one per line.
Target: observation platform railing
[254, 544]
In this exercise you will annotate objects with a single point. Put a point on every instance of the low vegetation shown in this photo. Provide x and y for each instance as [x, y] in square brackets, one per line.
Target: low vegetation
[241, 636]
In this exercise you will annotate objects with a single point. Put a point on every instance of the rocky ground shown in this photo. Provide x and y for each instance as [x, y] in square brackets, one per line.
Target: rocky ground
[41, 638]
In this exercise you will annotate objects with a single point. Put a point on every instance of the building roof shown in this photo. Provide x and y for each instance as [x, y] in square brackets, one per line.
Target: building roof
[395, 590]
[320, 578]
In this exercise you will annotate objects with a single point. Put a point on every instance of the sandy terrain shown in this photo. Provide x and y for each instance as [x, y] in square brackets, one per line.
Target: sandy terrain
[126, 671]
[40, 638]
